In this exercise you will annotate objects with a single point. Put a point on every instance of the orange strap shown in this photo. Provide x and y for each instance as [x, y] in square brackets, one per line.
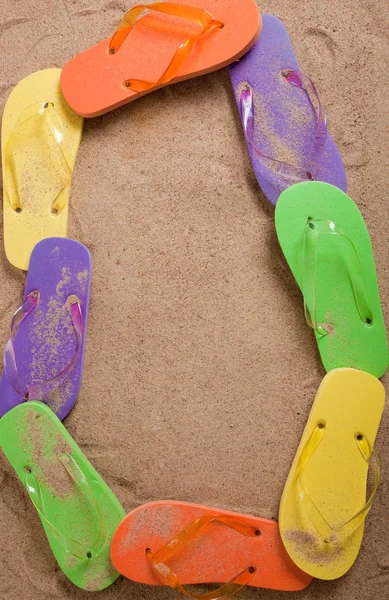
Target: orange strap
[198, 15]
[185, 537]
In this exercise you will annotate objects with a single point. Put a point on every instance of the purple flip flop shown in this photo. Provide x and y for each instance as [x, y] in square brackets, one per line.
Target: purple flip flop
[286, 135]
[44, 354]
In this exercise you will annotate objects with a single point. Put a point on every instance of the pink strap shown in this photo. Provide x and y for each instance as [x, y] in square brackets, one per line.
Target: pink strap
[313, 162]
[41, 389]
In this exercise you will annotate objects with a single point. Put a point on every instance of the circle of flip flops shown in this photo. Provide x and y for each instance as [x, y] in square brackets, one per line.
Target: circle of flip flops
[326, 245]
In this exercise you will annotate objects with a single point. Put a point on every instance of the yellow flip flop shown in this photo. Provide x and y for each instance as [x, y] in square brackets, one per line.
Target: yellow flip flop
[40, 139]
[323, 506]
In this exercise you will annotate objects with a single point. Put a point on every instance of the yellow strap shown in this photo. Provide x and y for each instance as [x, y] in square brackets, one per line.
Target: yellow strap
[50, 117]
[325, 530]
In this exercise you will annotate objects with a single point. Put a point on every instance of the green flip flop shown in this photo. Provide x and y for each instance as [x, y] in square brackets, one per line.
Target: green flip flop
[327, 246]
[78, 511]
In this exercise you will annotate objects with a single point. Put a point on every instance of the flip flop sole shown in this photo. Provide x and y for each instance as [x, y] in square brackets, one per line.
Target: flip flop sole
[350, 341]
[39, 168]
[217, 555]
[92, 82]
[349, 403]
[45, 341]
[284, 116]
[34, 442]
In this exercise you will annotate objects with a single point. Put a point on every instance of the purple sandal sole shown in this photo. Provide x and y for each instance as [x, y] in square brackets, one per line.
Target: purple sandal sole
[285, 119]
[45, 341]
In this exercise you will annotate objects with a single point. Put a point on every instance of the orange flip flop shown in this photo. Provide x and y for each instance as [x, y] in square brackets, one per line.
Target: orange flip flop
[203, 545]
[173, 42]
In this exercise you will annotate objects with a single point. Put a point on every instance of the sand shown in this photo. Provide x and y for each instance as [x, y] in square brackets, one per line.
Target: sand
[200, 370]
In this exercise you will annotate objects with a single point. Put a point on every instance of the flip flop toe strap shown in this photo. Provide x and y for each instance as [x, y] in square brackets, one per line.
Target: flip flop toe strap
[44, 111]
[313, 162]
[70, 545]
[185, 537]
[40, 389]
[197, 15]
[328, 532]
[314, 231]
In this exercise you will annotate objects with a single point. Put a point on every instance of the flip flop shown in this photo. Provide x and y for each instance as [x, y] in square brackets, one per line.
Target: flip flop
[204, 545]
[287, 138]
[176, 41]
[78, 511]
[40, 140]
[44, 353]
[323, 506]
[327, 246]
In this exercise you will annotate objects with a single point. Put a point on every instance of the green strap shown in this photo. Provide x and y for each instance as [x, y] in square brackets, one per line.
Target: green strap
[314, 230]
[69, 545]
[49, 116]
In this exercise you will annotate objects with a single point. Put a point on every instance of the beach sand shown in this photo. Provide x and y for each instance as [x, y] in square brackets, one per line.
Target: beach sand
[200, 370]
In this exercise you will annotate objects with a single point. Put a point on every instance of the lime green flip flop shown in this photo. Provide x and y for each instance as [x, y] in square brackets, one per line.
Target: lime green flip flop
[78, 511]
[326, 243]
